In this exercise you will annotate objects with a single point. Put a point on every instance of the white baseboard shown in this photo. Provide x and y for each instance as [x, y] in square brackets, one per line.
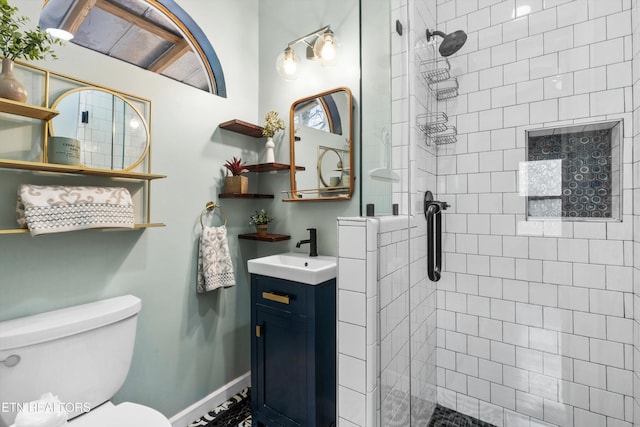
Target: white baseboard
[206, 404]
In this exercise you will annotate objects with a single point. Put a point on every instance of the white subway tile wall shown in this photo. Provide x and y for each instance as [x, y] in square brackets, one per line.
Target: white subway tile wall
[380, 381]
[357, 387]
[535, 320]
[617, 275]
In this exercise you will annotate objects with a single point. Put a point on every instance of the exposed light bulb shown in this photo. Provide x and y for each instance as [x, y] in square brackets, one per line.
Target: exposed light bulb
[287, 64]
[328, 52]
[325, 48]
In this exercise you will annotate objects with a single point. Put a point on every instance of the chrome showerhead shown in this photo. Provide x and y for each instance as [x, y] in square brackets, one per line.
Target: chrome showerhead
[451, 43]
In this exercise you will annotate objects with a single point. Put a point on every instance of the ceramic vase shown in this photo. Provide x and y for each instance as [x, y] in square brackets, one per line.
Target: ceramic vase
[261, 229]
[269, 156]
[236, 184]
[10, 88]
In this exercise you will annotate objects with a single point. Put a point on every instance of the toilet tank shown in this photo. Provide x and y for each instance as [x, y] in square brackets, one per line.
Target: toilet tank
[81, 354]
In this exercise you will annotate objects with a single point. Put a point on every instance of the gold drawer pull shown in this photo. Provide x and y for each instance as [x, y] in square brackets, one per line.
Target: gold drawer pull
[284, 299]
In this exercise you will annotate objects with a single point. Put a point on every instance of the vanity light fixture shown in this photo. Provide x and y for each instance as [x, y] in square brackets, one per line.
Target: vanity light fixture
[323, 48]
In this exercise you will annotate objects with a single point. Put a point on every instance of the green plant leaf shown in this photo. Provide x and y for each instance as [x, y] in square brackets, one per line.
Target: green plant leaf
[15, 44]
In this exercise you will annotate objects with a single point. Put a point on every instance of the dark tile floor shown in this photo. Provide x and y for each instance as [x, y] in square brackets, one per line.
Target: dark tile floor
[236, 412]
[445, 417]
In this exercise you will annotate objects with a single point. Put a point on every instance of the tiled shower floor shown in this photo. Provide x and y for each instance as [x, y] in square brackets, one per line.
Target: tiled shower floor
[445, 417]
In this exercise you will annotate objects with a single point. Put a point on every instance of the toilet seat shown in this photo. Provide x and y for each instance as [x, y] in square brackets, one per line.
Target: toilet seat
[125, 414]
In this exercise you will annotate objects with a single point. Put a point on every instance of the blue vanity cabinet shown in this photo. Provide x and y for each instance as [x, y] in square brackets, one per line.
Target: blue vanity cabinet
[293, 353]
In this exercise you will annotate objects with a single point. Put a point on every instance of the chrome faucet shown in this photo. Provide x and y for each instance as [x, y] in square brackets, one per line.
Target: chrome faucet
[312, 240]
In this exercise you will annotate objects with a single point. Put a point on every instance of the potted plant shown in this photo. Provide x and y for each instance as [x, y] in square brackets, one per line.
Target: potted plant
[261, 220]
[236, 183]
[272, 125]
[16, 44]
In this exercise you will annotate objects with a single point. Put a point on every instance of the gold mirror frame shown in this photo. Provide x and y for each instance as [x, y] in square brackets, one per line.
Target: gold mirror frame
[300, 195]
[126, 102]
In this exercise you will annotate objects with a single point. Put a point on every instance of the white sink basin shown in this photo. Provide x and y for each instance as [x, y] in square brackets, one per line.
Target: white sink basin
[296, 267]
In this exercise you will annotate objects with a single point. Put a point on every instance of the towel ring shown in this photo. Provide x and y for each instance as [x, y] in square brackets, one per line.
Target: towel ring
[210, 207]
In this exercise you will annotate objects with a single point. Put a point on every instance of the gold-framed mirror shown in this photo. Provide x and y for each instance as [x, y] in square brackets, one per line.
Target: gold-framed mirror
[113, 133]
[321, 134]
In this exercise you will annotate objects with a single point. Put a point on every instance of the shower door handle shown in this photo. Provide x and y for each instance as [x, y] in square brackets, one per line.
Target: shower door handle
[434, 242]
[433, 214]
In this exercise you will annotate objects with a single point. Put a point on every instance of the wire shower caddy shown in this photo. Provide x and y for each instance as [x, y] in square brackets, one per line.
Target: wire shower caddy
[437, 75]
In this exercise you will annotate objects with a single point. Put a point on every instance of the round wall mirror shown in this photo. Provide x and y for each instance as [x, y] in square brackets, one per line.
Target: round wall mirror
[112, 132]
[333, 176]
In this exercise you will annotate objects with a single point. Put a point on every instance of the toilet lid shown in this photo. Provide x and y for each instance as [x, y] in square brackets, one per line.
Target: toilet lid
[126, 414]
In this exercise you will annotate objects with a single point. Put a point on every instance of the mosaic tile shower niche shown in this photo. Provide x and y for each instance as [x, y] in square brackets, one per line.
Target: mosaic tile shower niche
[573, 172]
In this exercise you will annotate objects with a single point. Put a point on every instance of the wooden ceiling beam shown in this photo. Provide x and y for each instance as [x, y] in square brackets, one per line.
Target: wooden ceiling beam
[136, 20]
[170, 56]
[77, 14]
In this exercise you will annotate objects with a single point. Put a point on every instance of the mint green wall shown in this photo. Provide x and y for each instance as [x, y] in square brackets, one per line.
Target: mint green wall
[187, 345]
[279, 25]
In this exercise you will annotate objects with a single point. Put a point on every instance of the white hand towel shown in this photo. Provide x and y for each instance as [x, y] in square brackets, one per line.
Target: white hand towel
[215, 269]
[46, 412]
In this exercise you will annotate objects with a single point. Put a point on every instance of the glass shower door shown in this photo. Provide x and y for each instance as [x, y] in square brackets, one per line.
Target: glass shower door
[397, 168]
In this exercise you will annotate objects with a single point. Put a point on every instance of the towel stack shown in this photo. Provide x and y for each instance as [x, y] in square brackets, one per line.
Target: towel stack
[55, 208]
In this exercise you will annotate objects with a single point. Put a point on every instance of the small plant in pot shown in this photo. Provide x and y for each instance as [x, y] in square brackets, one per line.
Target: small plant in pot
[236, 183]
[261, 220]
[30, 45]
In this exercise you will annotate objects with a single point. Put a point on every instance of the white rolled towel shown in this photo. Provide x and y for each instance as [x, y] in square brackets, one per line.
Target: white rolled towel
[48, 411]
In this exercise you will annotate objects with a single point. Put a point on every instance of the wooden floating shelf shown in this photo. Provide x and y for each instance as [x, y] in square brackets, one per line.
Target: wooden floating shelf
[271, 167]
[26, 110]
[243, 128]
[245, 196]
[265, 238]
[51, 167]
[135, 227]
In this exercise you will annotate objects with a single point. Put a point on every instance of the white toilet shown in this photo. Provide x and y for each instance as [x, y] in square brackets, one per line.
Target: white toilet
[81, 354]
